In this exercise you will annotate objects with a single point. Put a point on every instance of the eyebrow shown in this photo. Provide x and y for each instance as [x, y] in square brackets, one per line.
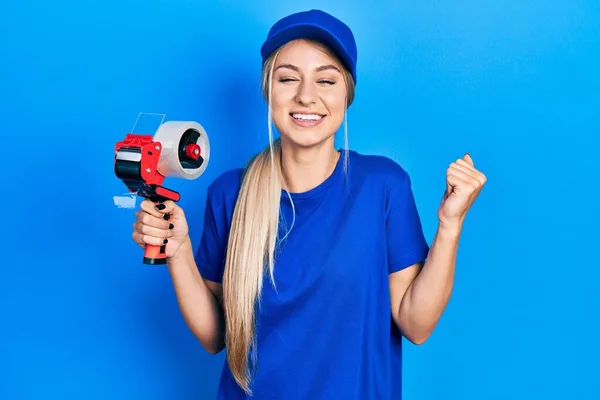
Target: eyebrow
[321, 68]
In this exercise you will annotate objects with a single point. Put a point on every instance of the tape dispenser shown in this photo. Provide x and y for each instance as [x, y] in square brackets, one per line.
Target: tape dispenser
[178, 149]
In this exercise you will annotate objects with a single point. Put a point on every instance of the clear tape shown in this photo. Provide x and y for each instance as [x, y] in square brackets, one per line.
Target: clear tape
[125, 200]
[142, 113]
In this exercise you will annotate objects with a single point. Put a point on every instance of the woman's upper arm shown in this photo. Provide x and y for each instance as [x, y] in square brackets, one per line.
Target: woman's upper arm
[215, 287]
[407, 247]
[399, 284]
[211, 251]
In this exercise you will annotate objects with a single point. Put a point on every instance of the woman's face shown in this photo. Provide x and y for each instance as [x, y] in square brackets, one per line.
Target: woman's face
[308, 95]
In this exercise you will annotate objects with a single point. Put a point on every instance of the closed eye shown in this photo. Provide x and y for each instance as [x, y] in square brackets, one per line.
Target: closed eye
[287, 79]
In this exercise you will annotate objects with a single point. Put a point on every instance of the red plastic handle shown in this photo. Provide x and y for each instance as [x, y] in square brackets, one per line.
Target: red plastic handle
[155, 255]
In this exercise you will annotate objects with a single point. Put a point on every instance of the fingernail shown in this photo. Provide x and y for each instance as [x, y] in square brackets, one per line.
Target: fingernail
[166, 217]
[166, 241]
[171, 226]
[160, 207]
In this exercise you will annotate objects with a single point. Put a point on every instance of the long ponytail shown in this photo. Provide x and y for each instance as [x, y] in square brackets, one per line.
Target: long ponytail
[251, 246]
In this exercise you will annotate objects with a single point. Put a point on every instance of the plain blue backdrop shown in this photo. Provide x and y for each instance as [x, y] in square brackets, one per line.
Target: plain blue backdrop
[514, 83]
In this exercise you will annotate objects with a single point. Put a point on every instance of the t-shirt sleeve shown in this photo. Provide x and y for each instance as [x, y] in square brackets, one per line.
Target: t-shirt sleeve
[406, 242]
[210, 253]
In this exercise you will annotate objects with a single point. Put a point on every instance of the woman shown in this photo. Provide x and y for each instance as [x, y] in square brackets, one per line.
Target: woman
[312, 262]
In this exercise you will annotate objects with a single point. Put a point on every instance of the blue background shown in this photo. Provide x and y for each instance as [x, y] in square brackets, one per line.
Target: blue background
[514, 83]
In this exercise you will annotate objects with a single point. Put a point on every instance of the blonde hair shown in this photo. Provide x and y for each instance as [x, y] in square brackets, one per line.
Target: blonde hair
[253, 238]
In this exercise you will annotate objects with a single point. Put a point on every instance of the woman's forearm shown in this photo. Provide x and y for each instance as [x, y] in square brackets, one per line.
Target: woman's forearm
[201, 310]
[427, 296]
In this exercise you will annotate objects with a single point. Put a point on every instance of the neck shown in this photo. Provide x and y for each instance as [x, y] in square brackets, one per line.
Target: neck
[306, 168]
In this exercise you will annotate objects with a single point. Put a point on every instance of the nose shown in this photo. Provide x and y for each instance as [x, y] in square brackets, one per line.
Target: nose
[306, 94]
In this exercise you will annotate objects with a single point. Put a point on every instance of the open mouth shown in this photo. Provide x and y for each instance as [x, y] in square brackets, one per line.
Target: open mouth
[306, 118]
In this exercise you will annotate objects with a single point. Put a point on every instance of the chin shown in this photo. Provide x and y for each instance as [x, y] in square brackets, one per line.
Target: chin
[305, 139]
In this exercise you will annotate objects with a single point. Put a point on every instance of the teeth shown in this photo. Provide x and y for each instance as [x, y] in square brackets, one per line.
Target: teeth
[313, 117]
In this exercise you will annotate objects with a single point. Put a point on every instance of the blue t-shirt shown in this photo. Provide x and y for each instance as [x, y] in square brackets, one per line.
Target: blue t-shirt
[327, 331]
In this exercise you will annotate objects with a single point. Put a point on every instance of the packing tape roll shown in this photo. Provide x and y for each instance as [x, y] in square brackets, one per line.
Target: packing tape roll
[169, 134]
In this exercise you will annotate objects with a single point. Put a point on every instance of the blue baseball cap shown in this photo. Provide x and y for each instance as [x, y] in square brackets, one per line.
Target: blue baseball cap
[314, 25]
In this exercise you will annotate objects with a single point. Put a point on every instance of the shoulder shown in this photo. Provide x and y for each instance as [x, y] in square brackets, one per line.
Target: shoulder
[228, 181]
[225, 187]
[379, 169]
